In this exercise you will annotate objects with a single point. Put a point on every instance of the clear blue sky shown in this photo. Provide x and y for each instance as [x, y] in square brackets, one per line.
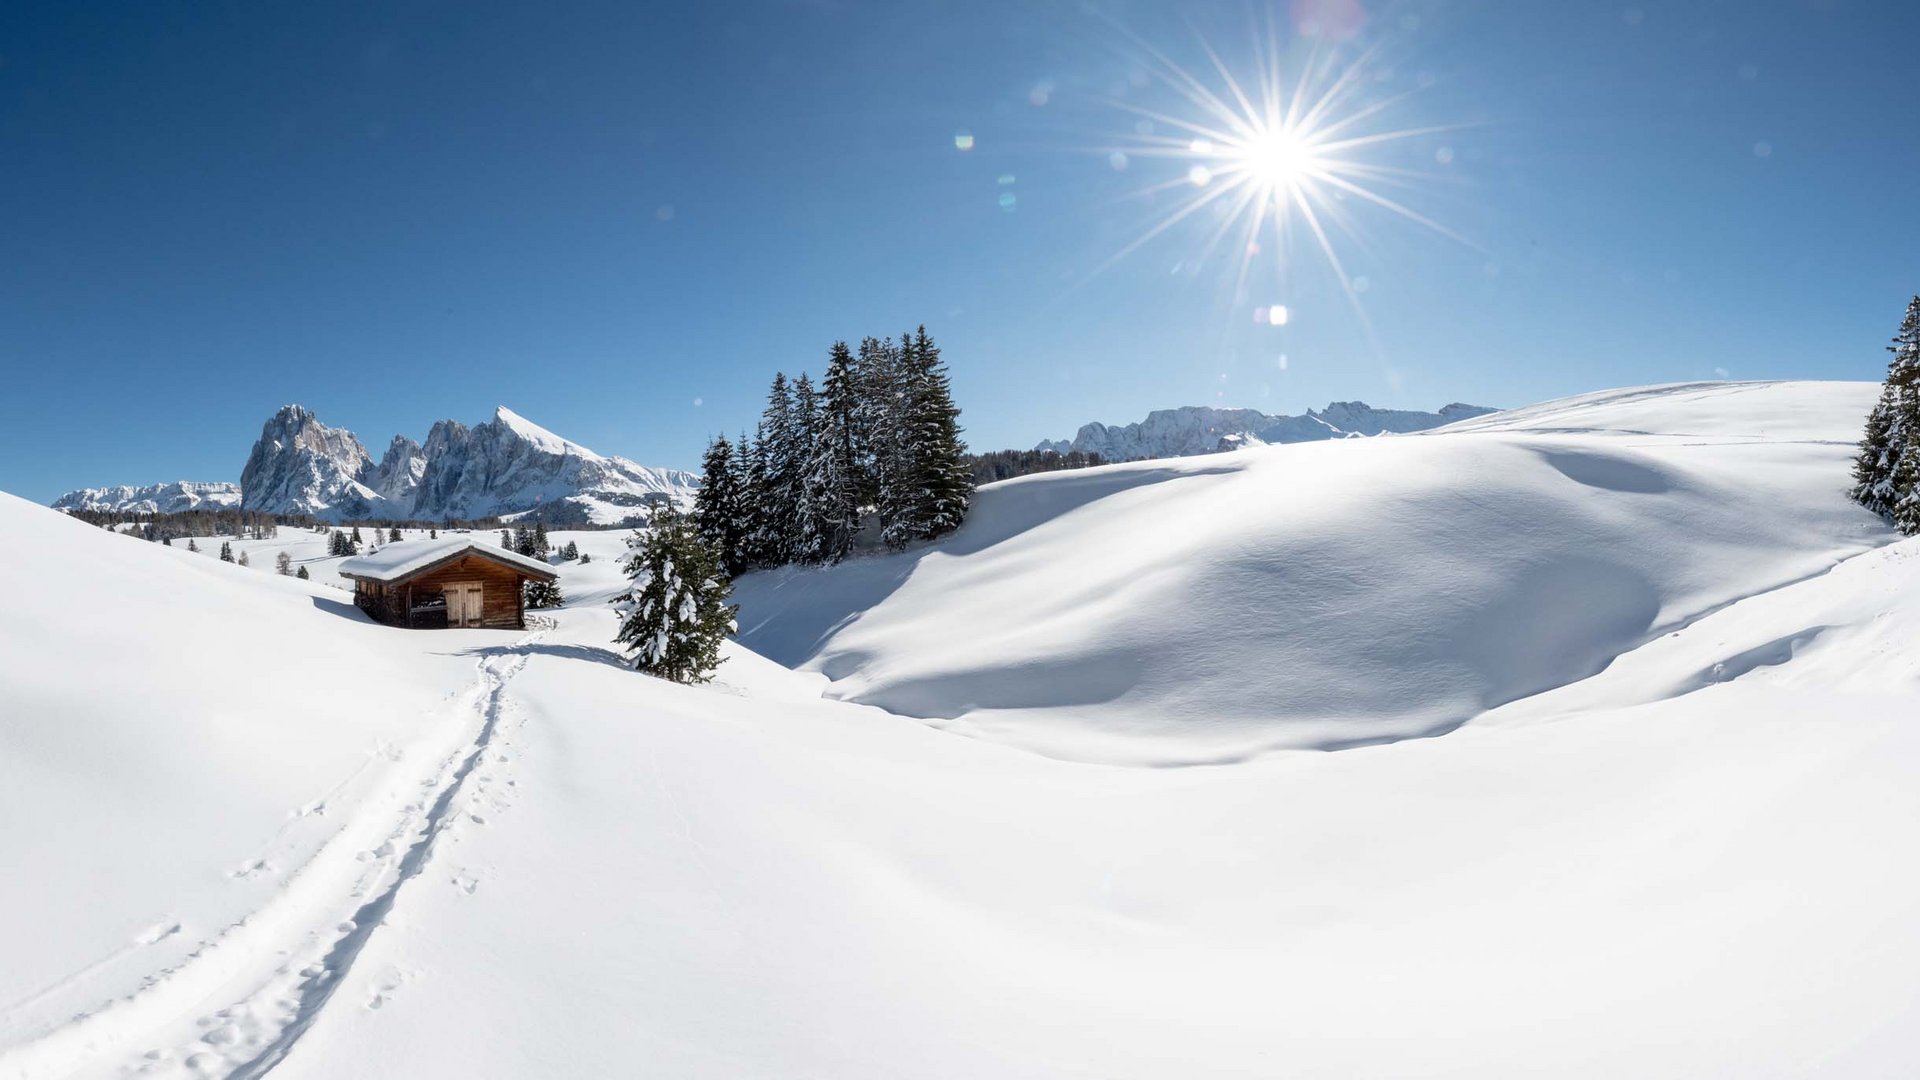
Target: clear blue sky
[620, 220]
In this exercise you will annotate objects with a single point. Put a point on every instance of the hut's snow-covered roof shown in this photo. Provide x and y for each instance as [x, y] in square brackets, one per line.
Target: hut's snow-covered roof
[405, 558]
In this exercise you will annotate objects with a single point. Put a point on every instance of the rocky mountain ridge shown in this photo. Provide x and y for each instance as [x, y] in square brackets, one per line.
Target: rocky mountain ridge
[504, 465]
[173, 497]
[1202, 429]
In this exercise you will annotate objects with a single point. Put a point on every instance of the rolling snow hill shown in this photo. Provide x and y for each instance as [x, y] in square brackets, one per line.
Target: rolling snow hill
[255, 834]
[1330, 594]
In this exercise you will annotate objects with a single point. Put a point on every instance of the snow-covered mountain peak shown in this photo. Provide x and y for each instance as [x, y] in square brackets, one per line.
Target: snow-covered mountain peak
[542, 439]
[1204, 429]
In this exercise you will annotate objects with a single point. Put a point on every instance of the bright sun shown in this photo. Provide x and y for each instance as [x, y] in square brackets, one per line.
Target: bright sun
[1262, 153]
[1278, 159]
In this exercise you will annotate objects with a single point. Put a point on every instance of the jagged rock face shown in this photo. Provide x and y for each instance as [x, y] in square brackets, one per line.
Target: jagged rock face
[398, 475]
[504, 466]
[510, 464]
[172, 498]
[1200, 429]
[301, 466]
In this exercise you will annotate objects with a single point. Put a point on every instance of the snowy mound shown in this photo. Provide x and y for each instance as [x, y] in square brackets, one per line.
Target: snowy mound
[253, 834]
[1333, 594]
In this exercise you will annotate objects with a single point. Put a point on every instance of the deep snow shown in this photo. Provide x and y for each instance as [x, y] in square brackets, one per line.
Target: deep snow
[263, 832]
[1326, 595]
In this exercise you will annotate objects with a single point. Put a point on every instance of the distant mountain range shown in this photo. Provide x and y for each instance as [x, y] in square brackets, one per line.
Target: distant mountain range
[1201, 429]
[505, 465]
[169, 498]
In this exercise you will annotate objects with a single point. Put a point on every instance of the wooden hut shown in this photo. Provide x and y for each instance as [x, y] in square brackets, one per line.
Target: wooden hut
[450, 582]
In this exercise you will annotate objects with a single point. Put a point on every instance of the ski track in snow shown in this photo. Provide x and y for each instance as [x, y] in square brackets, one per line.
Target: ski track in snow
[307, 919]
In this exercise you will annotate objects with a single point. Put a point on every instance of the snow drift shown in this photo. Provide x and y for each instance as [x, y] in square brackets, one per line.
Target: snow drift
[251, 833]
[1326, 595]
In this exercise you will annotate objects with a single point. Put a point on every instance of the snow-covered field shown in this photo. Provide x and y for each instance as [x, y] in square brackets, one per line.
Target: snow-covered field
[1662, 831]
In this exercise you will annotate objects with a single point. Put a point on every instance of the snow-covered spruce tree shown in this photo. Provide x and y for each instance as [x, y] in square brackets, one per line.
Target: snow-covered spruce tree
[570, 552]
[936, 483]
[883, 401]
[942, 457]
[302, 574]
[1893, 424]
[836, 465]
[243, 560]
[674, 613]
[755, 497]
[191, 546]
[543, 594]
[357, 541]
[1906, 481]
[393, 534]
[226, 551]
[809, 537]
[719, 510]
[778, 499]
[541, 546]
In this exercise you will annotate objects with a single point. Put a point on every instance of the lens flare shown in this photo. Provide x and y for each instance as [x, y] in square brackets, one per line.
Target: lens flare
[1291, 155]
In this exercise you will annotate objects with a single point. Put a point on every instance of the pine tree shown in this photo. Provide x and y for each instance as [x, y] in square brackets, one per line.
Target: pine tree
[836, 463]
[283, 563]
[940, 457]
[506, 540]
[302, 574]
[543, 594]
[243, 560]
[585, 558]
[719, 509]
[1906, 480]
[166, 541]
[433, 534]
[884, 405]
[810, 499]
[756, 496]
[191, 546]
[393, 535]
[570, 552]
[778, 499]
[1893, 424]
[674, 613]
[356, 536]
[541, 548]
[226, 551]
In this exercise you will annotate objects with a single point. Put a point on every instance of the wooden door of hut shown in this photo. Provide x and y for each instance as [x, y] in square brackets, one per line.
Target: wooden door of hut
[464, 605]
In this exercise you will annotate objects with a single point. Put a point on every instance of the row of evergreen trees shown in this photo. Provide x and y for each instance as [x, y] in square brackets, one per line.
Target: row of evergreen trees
[1886, 475]
[877, 445]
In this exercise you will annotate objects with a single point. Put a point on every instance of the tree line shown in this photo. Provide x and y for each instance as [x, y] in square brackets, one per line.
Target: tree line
[871, 455]
[1886, 474]
[1007, 464]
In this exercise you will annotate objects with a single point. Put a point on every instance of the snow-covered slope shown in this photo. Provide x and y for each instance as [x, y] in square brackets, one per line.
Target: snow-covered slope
[169, 498]
[1335, 593]
[265, 837]
[1201, 429]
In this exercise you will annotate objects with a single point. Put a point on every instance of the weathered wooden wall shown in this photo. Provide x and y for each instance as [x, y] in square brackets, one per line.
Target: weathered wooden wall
[499, 599]
[500, 589]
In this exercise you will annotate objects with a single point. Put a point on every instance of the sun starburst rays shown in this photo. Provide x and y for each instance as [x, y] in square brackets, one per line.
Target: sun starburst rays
[1277, 156]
